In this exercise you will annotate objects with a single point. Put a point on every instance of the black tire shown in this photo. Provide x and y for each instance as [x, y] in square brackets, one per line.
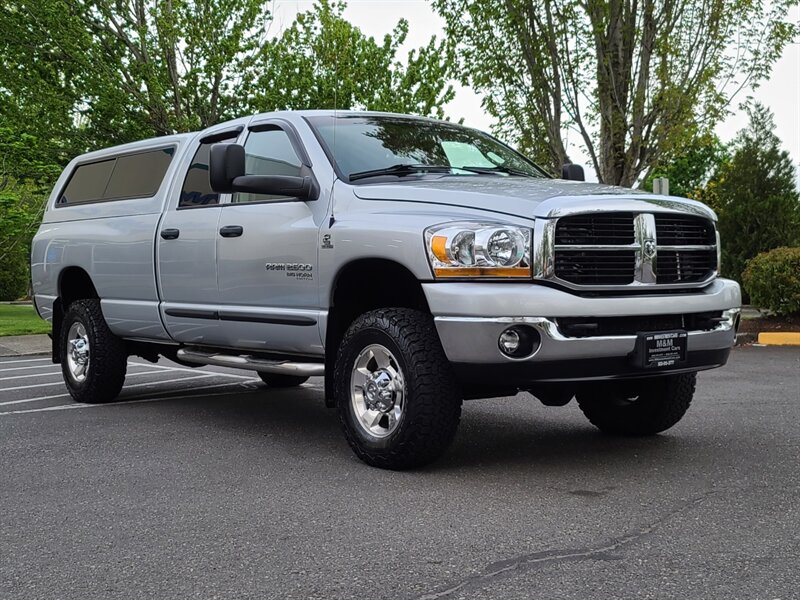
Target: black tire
[108, 357]
[638, 407]
[276, 380]
[431, 400]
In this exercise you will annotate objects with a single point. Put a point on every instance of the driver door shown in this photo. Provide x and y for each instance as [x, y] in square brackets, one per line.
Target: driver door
[267, 253]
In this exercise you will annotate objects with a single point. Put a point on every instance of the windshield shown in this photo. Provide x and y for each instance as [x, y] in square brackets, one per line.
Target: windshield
[368, 146]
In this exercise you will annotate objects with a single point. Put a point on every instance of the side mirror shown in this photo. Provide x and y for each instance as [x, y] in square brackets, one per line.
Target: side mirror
[572, 172]
[225, 163]
[276, 185]
[226, 173]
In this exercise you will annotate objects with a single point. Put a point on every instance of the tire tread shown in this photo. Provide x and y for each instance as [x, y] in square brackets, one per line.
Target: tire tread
[434, 410]
[658, 408]
[108, 358]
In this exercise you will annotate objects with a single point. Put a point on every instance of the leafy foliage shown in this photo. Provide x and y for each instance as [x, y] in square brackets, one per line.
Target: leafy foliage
[637, 80]
[773, 280]
[77, 75]
[20, 212]
[323, 61]
[131, 69]
[103, 72]
[756, 195]
[690, 171]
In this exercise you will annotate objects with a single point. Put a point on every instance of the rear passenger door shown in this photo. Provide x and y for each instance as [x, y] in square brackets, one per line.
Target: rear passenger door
[187, 251]
[267, 252]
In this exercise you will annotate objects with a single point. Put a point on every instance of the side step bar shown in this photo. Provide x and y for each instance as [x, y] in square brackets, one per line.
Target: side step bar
[252, 363]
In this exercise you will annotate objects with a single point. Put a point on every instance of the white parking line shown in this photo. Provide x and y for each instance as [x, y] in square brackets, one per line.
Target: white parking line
[27, 368]
[135, 385]
[59, 382]
[136, 400]
[193, 370]
[160, 381]
[27, 360]
[34, 399]
[27, 387]
[56, 366]
[59, 373]
[30, 376]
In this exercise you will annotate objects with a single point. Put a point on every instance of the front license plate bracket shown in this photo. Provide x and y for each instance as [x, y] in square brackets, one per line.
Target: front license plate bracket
[660, 349]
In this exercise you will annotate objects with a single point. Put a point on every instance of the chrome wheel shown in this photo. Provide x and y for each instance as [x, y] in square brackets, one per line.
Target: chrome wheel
[78, 352]
[377, 391]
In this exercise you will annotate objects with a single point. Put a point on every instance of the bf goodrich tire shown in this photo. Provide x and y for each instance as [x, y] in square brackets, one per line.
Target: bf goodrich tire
[395, 392]
[637, 408]
[276, 380]
[93, 360]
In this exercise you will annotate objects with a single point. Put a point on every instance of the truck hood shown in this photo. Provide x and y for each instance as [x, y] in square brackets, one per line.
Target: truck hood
[526, 197]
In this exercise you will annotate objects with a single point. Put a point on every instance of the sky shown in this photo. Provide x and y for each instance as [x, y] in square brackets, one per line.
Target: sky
[376, 18]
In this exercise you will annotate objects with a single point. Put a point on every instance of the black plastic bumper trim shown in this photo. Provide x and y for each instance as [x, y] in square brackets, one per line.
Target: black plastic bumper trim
[521, 374]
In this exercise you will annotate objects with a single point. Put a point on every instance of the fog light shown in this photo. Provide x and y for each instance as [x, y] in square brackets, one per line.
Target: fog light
[509, 341]
[519, 341]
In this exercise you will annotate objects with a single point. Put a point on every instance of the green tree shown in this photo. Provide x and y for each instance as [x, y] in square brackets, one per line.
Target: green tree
[123, 70]
[757, 195]
[323, 61]
[634, 78]
[21, 205]
[77, 75]
[690, 170]
[81, 74]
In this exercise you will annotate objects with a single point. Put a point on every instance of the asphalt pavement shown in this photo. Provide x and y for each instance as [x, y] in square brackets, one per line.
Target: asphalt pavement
[203, 483]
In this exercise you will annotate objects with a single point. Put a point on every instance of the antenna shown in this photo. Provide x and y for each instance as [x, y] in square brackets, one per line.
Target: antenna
[333, 150]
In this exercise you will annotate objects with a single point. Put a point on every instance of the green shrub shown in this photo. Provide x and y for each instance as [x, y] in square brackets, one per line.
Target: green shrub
[773, 280]
[14, 276]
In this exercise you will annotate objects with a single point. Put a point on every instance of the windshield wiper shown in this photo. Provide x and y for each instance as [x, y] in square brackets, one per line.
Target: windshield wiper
[496, 170]
[400, 170]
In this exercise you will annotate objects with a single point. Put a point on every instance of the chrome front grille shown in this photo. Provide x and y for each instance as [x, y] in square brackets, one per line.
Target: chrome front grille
[604, 228]
[687, 266]
[598, 267]
[677, 230]
[616, 250]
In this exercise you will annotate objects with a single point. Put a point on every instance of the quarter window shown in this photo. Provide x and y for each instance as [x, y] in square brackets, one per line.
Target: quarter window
[87, 184]
[129, 176]
[269, 152]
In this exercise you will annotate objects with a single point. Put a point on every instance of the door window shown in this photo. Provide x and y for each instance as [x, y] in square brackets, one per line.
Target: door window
[196, 190]
[269, 152]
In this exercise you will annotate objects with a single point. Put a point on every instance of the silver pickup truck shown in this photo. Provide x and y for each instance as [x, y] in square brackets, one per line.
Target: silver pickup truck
[412, 262]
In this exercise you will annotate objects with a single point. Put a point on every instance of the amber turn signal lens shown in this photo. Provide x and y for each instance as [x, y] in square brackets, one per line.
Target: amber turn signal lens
[439, 247]
[519, 272]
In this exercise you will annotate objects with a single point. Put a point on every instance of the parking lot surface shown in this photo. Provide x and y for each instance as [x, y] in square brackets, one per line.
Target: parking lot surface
[204, 483]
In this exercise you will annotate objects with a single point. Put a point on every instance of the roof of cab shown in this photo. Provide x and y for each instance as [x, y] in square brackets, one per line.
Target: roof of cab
[292, 115]
[339, 113]
[184, 137]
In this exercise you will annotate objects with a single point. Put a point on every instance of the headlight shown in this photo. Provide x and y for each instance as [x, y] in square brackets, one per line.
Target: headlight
[479, 250]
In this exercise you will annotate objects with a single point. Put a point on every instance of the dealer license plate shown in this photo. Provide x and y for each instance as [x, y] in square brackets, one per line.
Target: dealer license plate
[660, 349]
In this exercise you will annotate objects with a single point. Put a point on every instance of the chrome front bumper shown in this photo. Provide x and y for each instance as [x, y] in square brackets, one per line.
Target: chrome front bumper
[471, 340]
[474, 340]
